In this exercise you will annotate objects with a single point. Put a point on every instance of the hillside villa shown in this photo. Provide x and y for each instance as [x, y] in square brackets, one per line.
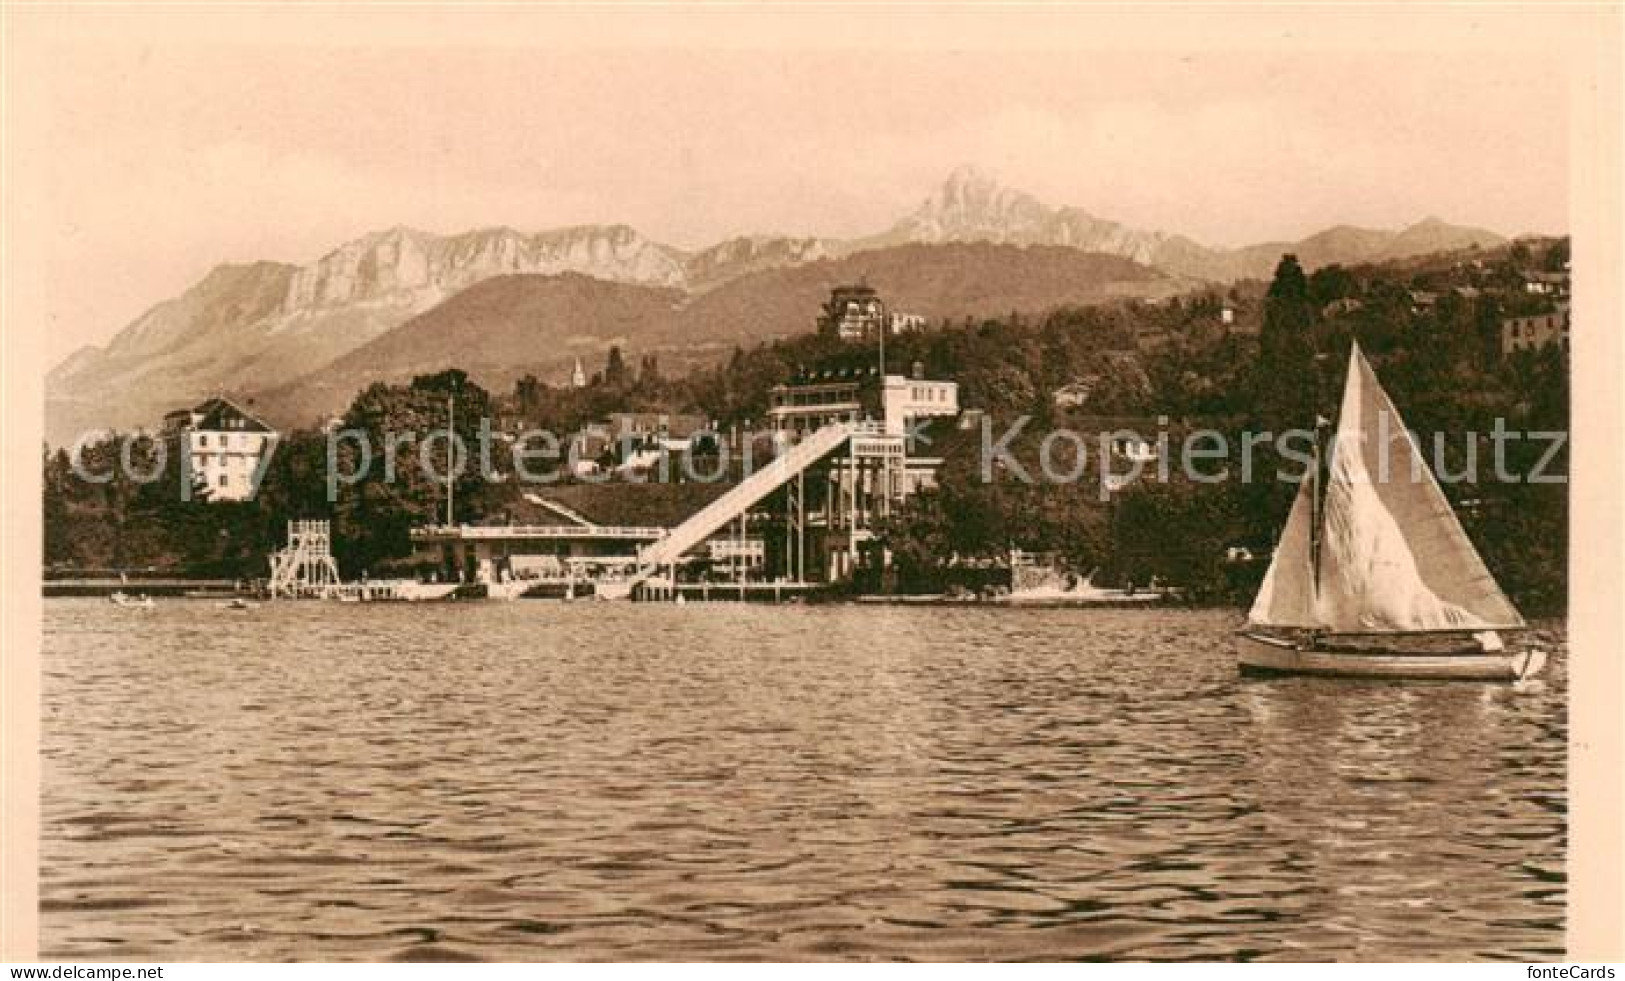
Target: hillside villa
[224, 445]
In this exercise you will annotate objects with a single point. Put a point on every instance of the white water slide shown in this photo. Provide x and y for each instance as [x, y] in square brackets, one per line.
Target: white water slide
[715, 516]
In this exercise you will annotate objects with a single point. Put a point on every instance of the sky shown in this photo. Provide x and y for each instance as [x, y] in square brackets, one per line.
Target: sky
[166, 159]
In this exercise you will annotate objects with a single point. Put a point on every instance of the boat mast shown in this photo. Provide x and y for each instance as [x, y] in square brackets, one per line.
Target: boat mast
[1317, 487]
[1315, 506]
[451, 435]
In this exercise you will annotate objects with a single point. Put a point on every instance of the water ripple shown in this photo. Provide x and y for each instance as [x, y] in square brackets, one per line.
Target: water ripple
[558, 781]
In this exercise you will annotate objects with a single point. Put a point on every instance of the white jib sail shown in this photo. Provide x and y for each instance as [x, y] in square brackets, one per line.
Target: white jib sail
[1287, 596]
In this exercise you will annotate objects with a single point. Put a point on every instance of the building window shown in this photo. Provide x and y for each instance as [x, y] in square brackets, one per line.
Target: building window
[222, 480]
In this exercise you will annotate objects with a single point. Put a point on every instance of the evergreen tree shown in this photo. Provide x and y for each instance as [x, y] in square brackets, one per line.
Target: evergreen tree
[1287, 310]
[649, 370]
[615, 372]
[1285, 380]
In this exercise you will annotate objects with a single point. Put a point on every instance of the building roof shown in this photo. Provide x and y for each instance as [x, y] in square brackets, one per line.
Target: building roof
[220, 413]
[618, 502]
[677, 425]
[1542, 276]
[857, 291]
[1559, 314]
[833, 375]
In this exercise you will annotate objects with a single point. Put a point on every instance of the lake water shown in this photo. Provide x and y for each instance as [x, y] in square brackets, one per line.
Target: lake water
[540, 780]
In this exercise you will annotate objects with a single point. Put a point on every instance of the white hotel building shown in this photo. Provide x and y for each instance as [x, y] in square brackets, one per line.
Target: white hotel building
[226, 446]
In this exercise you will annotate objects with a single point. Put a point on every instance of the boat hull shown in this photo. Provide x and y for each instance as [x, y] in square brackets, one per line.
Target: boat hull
[391, 591]
[1262, 654]
[420, 592]
[511, 590]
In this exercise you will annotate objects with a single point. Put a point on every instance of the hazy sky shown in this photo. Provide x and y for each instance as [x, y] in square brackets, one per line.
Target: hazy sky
[168, 159]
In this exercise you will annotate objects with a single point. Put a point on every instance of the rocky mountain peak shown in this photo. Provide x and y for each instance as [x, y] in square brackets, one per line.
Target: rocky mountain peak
[972, 205]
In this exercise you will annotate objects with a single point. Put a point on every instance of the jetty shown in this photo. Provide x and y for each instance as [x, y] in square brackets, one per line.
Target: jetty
[149, 586]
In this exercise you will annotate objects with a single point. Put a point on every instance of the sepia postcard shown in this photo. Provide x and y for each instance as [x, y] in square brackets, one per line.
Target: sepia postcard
[981, 483]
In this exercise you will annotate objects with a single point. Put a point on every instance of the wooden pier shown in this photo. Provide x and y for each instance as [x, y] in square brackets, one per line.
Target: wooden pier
[663, 591]
[204, 588]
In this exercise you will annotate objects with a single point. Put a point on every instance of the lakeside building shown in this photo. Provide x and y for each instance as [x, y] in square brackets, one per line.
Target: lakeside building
[583, 535]
[1537, 331]
[538, 553]
[853, 313]
[634, 441]
[674, 432]
[1127, 448]
[1544, 283]
[1423, 300]
[543, 539]
[224, 445]
[907, 323]
[858, 313]
[819, 398]
[1075, 394]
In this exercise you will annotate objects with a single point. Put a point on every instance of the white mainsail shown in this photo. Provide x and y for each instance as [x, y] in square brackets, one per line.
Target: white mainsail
[1393, 556]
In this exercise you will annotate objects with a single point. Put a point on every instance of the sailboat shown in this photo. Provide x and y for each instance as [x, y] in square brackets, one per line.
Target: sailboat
[1373, 576]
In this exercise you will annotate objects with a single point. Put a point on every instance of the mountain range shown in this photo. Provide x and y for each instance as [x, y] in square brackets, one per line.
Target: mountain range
[512, 325]
[396, 298]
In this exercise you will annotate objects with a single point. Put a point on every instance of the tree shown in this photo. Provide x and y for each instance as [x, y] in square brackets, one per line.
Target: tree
[1557, 256]
[1005, 388]
[1329, 283]
[615, 372]
[376, 510]
[649, 370]
[529, 392]
[1287, 310]
[1286, 355]
[1176, 532]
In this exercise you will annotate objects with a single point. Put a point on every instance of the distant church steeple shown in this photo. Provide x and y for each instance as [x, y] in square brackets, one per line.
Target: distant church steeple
[578, 377]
